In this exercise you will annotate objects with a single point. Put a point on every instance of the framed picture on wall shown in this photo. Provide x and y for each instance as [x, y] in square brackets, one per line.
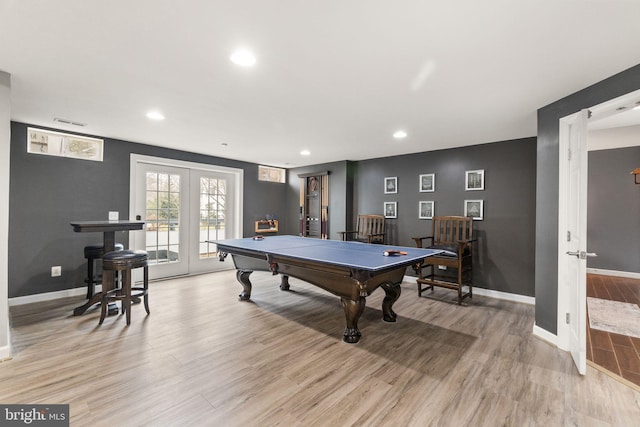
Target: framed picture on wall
[474, 180]
[427, 182]
[474, 208]
[425, 209]
[391, 185]
[390, 209]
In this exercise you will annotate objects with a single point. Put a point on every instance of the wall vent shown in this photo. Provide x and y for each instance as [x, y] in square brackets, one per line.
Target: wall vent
[68, 122]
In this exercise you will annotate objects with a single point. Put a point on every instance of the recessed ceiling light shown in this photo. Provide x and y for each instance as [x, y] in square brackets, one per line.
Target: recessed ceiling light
[155, 115]
[305, 153]
[399, 134]
[244, 58]
[637, 107]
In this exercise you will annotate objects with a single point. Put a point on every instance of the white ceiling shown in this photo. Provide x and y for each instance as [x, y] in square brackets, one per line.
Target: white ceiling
[334, 77]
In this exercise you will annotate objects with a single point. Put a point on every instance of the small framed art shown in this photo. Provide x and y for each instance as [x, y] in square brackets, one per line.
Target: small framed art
[474, 209]
[427, 182]
[474, 180]
[425, 209]
[390, 209]
[391, 185]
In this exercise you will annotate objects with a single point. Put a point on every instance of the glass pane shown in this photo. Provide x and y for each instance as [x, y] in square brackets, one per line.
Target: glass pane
[163, 199]
[174, 200]
[174, 184]
[222, 186]
[174, 234]
[204, 200]
[152, 238]
[152, 181]
[174, 253]
[162, 253]
[151, 250]
[152, 200]
[163, 182]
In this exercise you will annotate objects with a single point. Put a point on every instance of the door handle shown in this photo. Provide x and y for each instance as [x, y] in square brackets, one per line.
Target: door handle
[582, 254]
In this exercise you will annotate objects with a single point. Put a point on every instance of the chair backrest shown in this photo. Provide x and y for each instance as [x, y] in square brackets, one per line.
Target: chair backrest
[368, 225]
[450, 229]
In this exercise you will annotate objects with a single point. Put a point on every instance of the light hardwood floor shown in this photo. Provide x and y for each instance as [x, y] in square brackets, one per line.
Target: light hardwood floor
[203, 358]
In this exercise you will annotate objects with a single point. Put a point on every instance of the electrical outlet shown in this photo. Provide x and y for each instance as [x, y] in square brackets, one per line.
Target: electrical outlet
[56, 271]
[113, 215]
[442, 267]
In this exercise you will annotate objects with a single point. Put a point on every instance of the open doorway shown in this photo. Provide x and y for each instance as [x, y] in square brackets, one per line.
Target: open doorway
[613, 229]
[572, 254]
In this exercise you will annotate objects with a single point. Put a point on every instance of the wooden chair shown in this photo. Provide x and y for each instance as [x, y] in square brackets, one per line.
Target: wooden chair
[454, 236]
[369, 229]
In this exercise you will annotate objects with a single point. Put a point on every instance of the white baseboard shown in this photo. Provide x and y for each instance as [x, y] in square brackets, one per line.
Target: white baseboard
[504, 295]
[545, 335]
[627, 274]
[5, 353]
[492, 294]
[48, 296]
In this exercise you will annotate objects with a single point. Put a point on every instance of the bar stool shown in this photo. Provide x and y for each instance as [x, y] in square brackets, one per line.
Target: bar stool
[125, 261]
[93, 253]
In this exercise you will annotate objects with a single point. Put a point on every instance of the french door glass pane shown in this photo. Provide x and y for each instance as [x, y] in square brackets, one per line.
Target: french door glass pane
[162, 217]
[212, 213]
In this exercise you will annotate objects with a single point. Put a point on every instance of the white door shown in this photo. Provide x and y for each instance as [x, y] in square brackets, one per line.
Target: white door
[162, 202]
[572, 232]
[213, 197]
[184, 205]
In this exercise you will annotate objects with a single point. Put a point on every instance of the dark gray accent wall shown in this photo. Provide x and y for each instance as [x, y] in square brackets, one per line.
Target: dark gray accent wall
[504, 251]
[47, 192]
[613, 223]
[340, 200]
[546, 269]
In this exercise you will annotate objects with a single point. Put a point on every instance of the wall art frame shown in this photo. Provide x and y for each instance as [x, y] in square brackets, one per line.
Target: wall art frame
[474, 209]
[391, 185]
[390, 209]
[474, 180]
[427, 182]
[426, 209]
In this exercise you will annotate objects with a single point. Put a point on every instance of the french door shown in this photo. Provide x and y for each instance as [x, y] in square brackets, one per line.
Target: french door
[184, 205]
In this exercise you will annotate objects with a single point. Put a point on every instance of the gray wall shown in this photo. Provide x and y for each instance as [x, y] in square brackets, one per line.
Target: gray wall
[504, 251]
[546, 264]
[48, 192]
[613, 223]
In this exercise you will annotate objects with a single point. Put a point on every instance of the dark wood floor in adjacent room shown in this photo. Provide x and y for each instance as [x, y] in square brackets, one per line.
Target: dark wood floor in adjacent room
[616, 353]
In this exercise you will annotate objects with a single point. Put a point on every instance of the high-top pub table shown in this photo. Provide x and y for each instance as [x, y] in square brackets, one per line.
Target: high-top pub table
[108, 230]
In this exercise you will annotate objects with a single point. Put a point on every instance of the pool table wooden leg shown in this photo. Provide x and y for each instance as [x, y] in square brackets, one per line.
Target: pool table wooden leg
[352, 311]
[243, 278]
[284, 282]
[392, 294]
